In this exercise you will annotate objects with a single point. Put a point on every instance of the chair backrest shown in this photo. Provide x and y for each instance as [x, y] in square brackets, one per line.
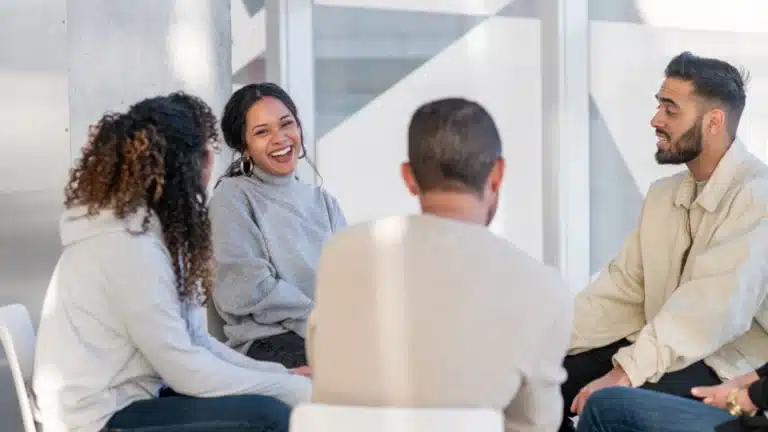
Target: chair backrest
[18, 340]
[214, 322]
[326, 418]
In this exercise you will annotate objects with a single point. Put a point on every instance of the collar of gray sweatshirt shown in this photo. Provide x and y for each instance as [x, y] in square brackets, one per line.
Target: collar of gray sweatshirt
[114, 331]
[268, 232]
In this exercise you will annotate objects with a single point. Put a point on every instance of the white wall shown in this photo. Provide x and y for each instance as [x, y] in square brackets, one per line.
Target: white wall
[631, 42]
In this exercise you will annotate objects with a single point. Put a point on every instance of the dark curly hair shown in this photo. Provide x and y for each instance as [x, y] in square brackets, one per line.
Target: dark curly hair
[152, 157]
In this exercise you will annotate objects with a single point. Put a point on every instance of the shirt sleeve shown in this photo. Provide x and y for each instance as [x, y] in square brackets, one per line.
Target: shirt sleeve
[727, 286]
[143, 292]
[338, 221]
[247, 282]
[611, 307]
[538, 404]
[201, 337]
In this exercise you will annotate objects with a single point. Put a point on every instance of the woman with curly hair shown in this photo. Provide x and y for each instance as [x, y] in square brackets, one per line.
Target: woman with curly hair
[268, 228]
[122, 321]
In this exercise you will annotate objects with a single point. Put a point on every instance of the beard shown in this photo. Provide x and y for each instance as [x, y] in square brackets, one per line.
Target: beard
[685, 149]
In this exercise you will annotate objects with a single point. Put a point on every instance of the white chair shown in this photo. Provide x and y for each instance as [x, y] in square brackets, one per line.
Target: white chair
[327, 418]
[18, 340]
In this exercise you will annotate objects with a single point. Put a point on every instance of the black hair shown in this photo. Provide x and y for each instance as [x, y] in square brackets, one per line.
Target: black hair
[452, 146]
[715, 81]
[233, 120]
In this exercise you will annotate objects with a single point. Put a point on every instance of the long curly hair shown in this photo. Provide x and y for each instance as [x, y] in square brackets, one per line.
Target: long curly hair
[152, 157]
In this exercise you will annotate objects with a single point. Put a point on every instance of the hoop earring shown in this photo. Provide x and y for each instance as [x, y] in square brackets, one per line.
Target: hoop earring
[243, 161]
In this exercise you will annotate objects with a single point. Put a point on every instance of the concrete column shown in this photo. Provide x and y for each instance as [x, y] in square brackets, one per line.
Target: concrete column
[123, 51]
[63, 63]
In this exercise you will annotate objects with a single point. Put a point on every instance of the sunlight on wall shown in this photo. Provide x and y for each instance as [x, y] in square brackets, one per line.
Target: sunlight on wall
[712, 15]
[189, 47]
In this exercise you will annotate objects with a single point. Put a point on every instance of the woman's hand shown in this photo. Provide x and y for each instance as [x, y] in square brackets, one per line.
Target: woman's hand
[303, 371]
[745, 402]
[716, 395]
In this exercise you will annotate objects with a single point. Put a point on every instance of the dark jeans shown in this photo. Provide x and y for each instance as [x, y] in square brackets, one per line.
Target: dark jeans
[287, 349]
[588, 366]
[621, 409]
[247, 413]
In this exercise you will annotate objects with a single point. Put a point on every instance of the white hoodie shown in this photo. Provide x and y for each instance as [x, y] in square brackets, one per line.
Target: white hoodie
[114, 331]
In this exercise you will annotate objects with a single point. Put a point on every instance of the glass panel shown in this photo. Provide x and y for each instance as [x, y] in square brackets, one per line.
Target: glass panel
[377, 61]
[249, 42]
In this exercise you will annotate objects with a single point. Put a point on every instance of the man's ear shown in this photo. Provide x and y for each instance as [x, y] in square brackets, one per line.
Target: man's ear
[409, 179]
[715, 123]
[497, 175]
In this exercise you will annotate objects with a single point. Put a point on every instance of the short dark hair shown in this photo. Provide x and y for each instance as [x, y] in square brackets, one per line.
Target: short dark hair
[452, 145]
[715, 81]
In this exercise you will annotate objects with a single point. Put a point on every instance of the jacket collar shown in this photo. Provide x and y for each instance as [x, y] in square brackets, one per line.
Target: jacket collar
[717, 185]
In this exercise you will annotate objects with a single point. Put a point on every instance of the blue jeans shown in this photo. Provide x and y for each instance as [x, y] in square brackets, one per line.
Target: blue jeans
[248, 413]
[621, 409]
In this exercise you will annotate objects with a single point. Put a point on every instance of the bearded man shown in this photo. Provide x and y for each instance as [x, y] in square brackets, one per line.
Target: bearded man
[682, 305]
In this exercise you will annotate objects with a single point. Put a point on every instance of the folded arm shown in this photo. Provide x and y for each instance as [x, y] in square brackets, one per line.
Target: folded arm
[203, 338]
[611, 307]
[145, 296]
[717, 306]
[247, 282]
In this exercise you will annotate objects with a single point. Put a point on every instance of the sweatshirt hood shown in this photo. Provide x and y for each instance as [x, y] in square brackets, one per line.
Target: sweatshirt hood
[75, 224]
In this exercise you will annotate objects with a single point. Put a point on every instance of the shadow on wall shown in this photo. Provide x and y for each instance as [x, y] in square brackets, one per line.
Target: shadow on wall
[615, 10]
[615, 200]
[360, 53]
[255, 70]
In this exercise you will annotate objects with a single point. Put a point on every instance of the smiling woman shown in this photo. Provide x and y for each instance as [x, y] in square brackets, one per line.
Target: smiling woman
[268, 228]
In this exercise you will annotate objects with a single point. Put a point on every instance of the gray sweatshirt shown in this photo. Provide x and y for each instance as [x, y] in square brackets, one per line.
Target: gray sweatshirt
[268, 232]
[113, 331]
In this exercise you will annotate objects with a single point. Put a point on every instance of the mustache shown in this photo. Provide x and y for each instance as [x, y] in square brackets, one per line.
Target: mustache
[663, 133]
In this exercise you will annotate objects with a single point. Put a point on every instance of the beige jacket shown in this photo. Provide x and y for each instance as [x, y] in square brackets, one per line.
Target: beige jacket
[428, 312]
[713, 308]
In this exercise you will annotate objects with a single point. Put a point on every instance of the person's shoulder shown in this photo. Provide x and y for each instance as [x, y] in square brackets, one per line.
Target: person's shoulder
[522, 265]
[752, 183]
[231, 186]
[232, 192]
[119, 255]
[327, 196]
[369, 232]
[669, 183]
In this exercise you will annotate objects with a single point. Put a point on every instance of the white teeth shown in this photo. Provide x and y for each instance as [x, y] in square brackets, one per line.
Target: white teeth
[281, 152]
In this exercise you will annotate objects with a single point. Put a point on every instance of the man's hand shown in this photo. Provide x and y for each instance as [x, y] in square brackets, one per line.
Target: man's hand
[303, 371]
[615, 378]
